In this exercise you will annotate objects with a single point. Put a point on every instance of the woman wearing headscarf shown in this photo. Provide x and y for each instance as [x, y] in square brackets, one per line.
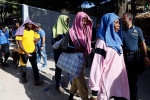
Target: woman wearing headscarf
[80, 33]
[108, 76]
[27, 39]
[59, 31]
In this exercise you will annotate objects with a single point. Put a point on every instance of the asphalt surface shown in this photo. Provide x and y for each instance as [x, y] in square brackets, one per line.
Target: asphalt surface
[11, 87]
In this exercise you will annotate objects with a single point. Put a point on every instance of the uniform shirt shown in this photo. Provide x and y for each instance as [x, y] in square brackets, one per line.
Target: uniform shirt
[42, 34]
[131, 37]
[28, 41]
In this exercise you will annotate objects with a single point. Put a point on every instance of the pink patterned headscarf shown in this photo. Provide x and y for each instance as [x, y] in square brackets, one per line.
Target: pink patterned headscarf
[83, 37]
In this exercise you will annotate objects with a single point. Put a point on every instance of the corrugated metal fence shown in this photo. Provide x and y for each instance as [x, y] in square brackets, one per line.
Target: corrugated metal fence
[48, 19]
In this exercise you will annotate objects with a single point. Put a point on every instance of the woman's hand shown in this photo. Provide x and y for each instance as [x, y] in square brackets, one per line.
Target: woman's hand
[93, 98]
[80, 49]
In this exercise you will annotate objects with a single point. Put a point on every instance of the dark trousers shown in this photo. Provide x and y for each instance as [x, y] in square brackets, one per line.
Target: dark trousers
[58, 77]
[131, 65]
[5, 49]
[89, 60]
[58, 71]
[33, 62]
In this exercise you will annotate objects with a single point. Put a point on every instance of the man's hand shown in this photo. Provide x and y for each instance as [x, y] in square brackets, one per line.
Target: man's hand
[3, 30]
[0, 47]
[147, 61]
[17, 43]
[36, 40]
[28, 55]
[42, 48]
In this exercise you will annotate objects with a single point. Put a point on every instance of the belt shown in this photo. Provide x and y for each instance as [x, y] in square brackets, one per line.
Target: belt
[130, 53]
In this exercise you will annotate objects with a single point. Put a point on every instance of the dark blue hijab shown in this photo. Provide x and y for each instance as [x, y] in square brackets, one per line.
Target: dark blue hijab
[107, 32]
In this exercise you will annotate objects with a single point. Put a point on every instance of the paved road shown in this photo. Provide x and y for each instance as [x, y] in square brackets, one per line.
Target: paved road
[144, 85]
[12, 89]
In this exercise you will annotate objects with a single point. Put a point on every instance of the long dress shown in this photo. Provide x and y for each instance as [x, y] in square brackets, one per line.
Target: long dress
[108, 76]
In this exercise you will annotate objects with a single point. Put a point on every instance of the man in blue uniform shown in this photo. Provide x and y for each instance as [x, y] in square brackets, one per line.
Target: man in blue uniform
[132, 35]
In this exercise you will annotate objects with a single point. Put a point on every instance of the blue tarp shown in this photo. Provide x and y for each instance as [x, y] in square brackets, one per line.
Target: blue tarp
[86, 4]
[104, 1]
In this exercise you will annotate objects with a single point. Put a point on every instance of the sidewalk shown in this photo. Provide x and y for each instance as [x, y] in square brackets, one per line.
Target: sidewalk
[12, 89]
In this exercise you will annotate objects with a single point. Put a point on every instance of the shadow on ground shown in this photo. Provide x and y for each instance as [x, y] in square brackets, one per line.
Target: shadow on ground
[144, 85]
[46, 91]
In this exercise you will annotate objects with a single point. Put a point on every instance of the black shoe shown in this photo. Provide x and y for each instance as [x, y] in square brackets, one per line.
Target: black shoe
[71, 96]
[24, 80]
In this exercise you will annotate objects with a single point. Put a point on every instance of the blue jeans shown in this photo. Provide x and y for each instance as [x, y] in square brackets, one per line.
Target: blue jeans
[41, 53]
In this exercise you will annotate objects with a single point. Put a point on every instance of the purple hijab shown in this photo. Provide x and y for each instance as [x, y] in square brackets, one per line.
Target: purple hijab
[20, 30]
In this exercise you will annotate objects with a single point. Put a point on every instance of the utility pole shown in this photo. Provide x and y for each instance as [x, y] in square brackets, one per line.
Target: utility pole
[3, 12]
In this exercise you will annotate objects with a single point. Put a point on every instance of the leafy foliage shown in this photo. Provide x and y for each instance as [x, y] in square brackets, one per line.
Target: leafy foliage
[56, 5]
